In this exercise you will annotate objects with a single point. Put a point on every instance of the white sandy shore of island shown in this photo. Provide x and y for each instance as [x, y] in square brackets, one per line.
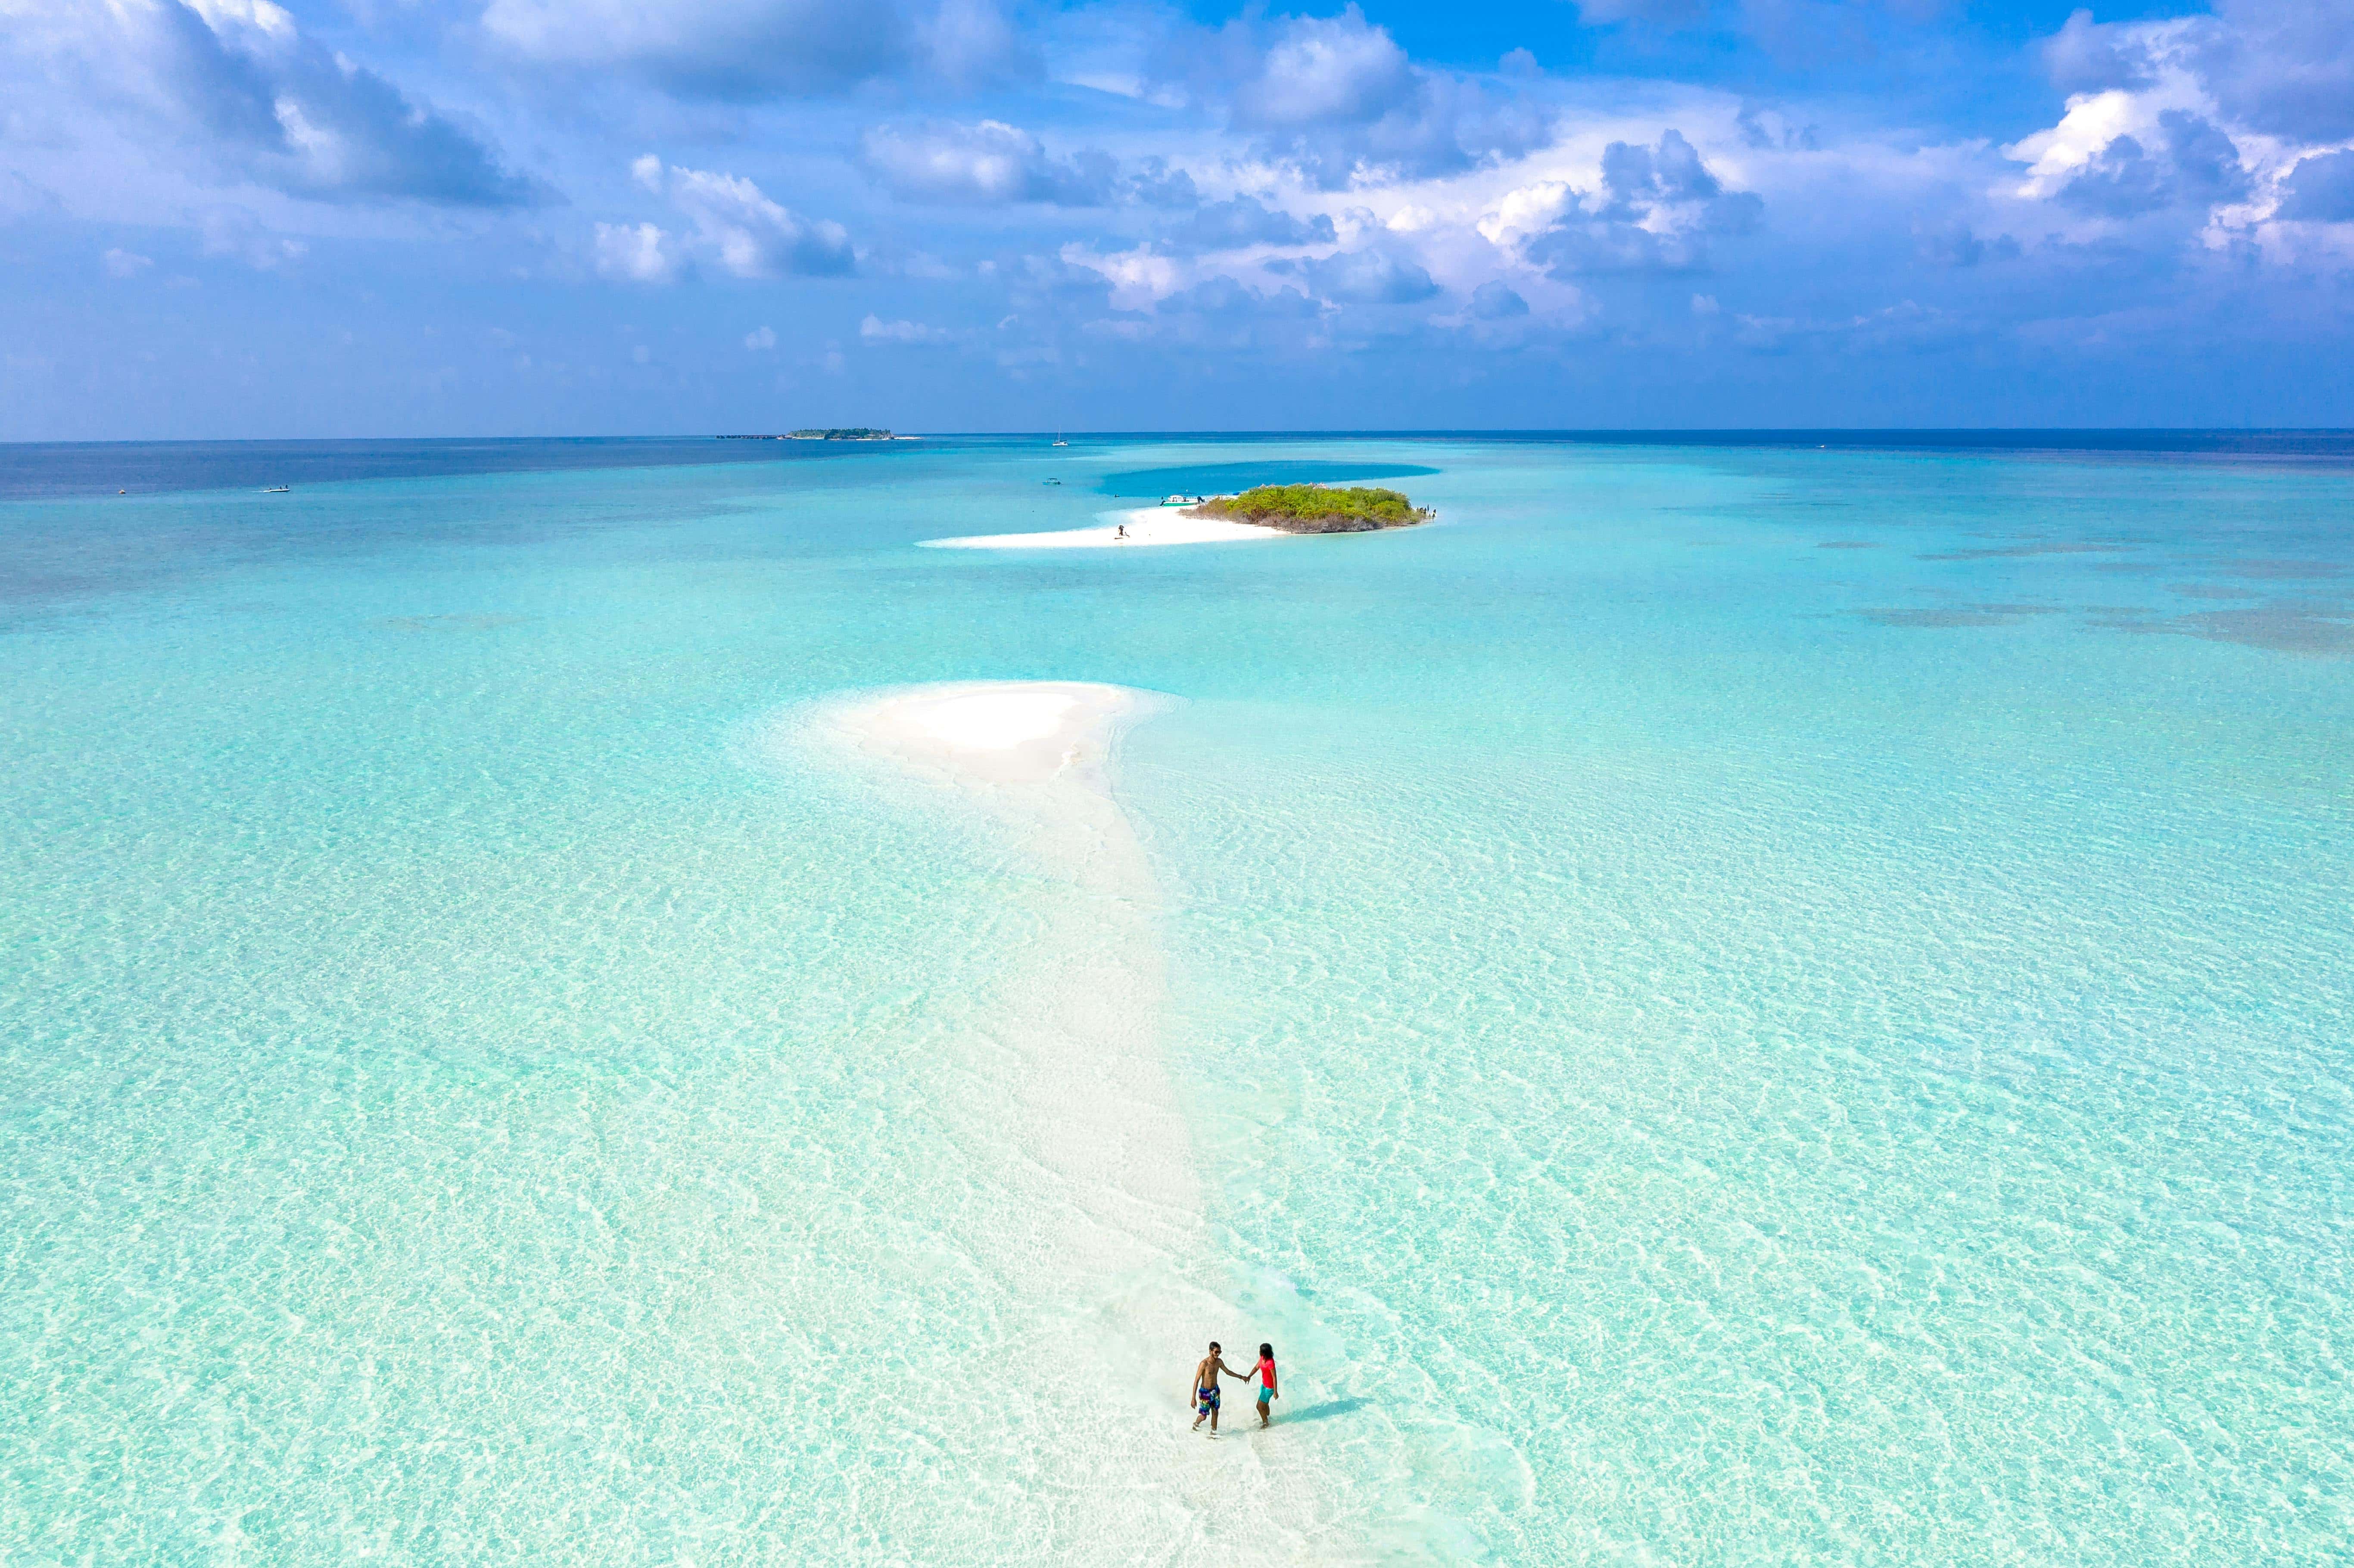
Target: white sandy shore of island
[1146, 525]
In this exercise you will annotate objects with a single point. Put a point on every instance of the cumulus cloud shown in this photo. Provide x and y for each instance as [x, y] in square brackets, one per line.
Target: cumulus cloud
[2187, 162]
[2320, 189]
[1152, 183]
[1221, 296]
[1368, 278]
[638, 252]
[2206, 114]
[1656, 209]
[1323, 71]
[760, 339]
[873, 329]
[2085, 56]
[750, 50]
[988, 165]
[1336, 97]
[240, 84]
[1956, 245]
[732, 226]
[1495, 301]
[120, 263]
[2282, 66]
[1243, 221]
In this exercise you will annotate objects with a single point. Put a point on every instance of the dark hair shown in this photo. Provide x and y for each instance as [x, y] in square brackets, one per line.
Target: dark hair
[1268, 1351]
[1213, 1344]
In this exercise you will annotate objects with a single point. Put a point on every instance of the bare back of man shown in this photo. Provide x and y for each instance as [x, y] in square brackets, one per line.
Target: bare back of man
[1205, 1393]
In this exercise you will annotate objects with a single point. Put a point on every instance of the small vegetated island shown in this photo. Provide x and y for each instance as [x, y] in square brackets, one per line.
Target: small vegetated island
[852, 434]
[1316, 509]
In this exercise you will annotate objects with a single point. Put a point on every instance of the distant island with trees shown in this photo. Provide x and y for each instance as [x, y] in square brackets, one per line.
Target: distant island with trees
[851, 433]
[1315, 509]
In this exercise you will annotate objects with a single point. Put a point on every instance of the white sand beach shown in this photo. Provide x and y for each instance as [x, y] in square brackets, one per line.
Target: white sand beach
[1146, 525]
[1065, 1102]
[997, 731]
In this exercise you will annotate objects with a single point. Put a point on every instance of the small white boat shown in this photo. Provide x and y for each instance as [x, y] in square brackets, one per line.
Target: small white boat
[277, 489]
[1059, 440]
[1175, 501]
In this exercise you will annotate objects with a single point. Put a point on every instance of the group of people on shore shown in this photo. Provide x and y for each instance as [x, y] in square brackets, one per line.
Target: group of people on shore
[1213, 1366]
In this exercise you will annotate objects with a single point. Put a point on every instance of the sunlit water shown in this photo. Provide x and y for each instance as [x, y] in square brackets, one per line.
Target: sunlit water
[1726, 1004]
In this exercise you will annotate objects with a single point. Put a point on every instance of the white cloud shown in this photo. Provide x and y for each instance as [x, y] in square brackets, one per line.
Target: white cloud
[876, 330]
[760, 339]
[237, 86]
[2207, 116]
[1138, 277]
[638, 253]
[1526, 210]
[125, 263]
[2093, 121]
[734, 226]
[1368, 278]
[988, 164]
[236, 233]
[1325, 70]
[1336, 99]
[747, 49]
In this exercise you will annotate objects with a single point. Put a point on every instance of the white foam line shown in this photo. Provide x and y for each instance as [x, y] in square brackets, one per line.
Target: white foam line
[1145, 526]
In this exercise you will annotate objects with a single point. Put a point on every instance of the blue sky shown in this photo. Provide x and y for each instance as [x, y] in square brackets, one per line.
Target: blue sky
[335, 218]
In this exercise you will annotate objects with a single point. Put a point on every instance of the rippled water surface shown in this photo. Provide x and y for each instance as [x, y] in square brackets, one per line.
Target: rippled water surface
[1731, 1004]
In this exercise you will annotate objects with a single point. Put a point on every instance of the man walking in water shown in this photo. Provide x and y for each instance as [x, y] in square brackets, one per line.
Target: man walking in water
[1206, 1386]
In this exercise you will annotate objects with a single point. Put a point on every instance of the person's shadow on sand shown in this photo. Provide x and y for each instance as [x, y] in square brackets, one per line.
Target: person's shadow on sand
[1323, 1412]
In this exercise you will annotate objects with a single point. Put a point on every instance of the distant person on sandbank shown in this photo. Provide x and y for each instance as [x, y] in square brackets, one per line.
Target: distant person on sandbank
[1265, 1372]
[1206, 1386]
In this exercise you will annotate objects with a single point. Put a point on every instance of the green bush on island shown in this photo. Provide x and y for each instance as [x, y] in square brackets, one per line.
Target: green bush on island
[854, 433]
[1316, 509]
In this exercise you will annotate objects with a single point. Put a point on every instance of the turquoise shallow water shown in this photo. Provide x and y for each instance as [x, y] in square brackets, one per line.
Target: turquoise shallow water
[1733, 1004]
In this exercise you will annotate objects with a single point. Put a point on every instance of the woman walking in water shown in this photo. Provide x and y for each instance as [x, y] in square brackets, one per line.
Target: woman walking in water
[1265, 1372]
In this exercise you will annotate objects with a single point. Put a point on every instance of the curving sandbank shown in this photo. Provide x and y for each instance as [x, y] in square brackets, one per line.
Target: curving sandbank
[1054, 1088]
[1146, 525]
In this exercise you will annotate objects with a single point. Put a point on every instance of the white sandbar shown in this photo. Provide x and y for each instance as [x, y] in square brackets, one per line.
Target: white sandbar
[1146, 525]
[1001, 731]
[1052, 1087]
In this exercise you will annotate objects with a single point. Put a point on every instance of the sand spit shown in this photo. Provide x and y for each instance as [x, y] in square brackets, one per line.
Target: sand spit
[1062, 1097]
[1001, 732]
[1147, 526]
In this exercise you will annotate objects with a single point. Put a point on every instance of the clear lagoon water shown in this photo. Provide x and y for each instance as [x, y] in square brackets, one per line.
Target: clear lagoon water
[1732, 1003]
